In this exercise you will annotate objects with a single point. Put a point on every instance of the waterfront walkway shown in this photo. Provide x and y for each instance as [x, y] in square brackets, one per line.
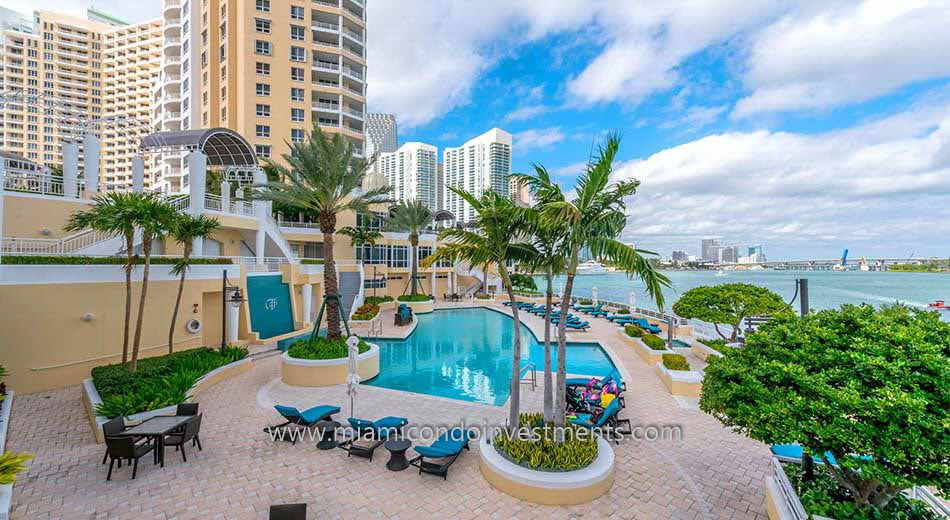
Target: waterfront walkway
[709, 473]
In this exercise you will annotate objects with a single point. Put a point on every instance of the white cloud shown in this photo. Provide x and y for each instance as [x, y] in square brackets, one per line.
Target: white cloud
[527, 112]
[839, 55]
[868, 187]
[570, 170]
[695, 118]
[537, 138]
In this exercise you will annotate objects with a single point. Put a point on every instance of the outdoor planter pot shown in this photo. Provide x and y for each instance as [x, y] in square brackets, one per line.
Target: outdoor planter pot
[420, 307]
[680, 382]
[649, 355]
[327, 372]
[548, 487]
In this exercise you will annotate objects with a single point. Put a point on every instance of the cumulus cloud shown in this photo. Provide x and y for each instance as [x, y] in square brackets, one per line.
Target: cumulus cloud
[537, 138]
[130, 11]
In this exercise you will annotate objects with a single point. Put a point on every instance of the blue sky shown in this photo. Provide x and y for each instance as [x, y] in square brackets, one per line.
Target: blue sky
[807, 127]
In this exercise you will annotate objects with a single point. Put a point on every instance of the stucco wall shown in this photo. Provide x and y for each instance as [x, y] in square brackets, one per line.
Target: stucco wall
[26, 216]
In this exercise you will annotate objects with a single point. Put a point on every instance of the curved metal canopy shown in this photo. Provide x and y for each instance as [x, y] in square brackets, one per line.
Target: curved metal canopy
[443, 214]
[223, 147]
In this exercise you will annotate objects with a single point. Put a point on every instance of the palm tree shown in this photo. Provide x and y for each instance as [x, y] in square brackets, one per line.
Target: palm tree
[491, 238]
[154, 217]
[361, 235]
[548, 241]
[323, 177]
[114, 213]
[411, 217]
[185, 230]
[594, 220]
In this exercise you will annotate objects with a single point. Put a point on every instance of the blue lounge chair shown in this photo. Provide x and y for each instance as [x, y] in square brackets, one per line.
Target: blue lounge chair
[369, 435]
[630, 320]
[305, 419]
[582, 326]
[612, 317]
[608, 420]
[507, 304]
[446, 449]
[583, 307]
[794, 452]
[599, 312]
[588, 310]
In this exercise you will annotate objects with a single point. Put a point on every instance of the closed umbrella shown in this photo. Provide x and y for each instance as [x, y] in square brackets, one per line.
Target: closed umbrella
[353, 369]
[632, 300]
[593, 295]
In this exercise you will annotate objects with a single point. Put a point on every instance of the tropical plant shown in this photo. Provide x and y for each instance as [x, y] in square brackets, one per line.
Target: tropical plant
[410, 217]
[593, 221]
[322, 177]
[367, 311]
[376, 300]
[414, 298]
[870, 386]
[361, 235]
[185, 230]
[654, 342]
[320, 347]
[633, 331]
[523, 282]
[728, 304]
[719, 345]
[491, 238]
[10, 464]
[675, 362]
[535, 446]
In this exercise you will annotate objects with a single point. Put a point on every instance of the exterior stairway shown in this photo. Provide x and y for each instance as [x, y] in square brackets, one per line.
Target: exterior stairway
[351, 290]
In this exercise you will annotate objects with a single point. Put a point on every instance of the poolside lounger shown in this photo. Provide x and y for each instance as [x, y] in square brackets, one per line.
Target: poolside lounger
[508, 303]
[588, 310]
[612, 317]
[306, 418]
[369, 435]
[614, 375]
[582, 326]
[609, 419]
[599, 312]
[442, 453]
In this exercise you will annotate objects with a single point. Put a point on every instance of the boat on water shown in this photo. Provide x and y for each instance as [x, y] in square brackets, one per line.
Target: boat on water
[720, 272]
[591, 267]
[939, 305]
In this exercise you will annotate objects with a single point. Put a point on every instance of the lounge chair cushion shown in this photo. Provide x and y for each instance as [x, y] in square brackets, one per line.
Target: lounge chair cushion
[287, 411]
[433, 453]
[312, 415]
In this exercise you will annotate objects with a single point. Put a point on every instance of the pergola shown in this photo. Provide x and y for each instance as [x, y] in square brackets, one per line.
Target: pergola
[224, 148]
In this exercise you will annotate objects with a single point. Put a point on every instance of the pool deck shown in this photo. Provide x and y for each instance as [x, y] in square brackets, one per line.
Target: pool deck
[708, 473]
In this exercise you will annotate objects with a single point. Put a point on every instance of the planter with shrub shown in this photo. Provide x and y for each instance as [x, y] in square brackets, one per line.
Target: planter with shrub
[105, 260]
[419, 303]
[482, 296]
[677, 377]
[365, 313]
[384, 302]
[649, 347]
[703, 348]
[531, 466]
[324, 362]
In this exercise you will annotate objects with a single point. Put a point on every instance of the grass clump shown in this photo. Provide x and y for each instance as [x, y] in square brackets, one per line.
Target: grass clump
[633, 331]
[623, 311]
[376, 300]
[311, 261]
[654, 342]
[322, 348]
[533, 446]
[367, 311]
[415, 298]
[585, 301]
[675, 362]
[159, 381]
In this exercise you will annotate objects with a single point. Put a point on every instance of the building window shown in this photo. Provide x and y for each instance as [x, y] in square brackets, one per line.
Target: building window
[262, 26]
[263, 110]
[297, 12]
[297, 115]
[262, 150]
[298, 54]
[263, 89]
[297, 74]
[298, 33]
[296, 135]
[263, 69]
[263, 6]
[262, 47]
[262, 131]
[296, 94]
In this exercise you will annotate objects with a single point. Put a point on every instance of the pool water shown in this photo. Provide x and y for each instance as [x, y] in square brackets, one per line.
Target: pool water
[465, 354]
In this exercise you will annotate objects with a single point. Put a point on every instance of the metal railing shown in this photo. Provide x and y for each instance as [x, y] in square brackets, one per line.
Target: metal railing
[42, 184]
[661, 316]
[52, 246]
[234, 206]
[529, 375]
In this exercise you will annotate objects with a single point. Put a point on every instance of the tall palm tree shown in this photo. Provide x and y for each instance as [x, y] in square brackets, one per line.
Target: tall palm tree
[491, 238]
[185, 230]
[154, 217]
[361, 235]
[411, 217]
[114, 213]
[594, 220]
[323, 177]
[548, 241]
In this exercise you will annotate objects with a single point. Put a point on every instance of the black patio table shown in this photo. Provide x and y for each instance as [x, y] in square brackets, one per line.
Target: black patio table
[157, 428]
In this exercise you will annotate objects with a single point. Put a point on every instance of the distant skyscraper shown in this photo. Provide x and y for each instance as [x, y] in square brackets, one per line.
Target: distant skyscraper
[411, 171]
[710, 249]
[483, 163]
[381, 134]
[439, 186]
[680, 257]
[729, 254]
[11, 20]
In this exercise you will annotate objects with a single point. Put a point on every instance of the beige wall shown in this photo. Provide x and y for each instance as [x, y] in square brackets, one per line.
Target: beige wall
[26, 216]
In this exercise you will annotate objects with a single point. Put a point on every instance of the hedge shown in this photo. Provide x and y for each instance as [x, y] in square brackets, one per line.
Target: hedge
[633, 331]
[415, 298]
[311, 261]
[719, 345]
[322, 348]
[105, 260]
[675, 362]
[376, 300]
[654, 342]
[367, 311]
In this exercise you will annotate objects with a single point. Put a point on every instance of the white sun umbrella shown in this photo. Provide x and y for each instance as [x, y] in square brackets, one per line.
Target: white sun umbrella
[593, 295]
[632, 300]
[353, 370]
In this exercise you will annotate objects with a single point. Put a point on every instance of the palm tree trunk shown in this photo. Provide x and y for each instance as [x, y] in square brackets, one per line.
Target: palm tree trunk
[560, 402]
[328, 227]
[181, 288]
[129, 244]
[514, 407]
[147, 250]
[548, 386]
[413, 243]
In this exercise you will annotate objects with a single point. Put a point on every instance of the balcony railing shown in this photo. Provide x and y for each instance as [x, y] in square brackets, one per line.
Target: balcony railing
[326, 25]
[41, 184]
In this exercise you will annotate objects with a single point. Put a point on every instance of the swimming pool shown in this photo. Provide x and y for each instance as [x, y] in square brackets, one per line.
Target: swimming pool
[465, 354]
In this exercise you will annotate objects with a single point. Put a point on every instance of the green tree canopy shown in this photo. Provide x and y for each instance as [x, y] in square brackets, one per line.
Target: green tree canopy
[870, 386]
[523, 281]
[728, 304]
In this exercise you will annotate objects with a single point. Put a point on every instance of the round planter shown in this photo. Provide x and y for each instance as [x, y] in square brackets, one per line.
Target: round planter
[421, 307]
[544, 487]
[327, 372]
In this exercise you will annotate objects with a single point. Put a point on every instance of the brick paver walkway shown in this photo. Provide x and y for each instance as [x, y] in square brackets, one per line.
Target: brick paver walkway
[710, 473]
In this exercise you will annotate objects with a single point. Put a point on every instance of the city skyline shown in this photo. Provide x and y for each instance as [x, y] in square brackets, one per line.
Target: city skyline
[709, 118]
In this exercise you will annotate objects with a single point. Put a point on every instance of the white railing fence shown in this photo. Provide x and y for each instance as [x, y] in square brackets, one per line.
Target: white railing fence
[52, 246]
[661, 316]
[42, 184]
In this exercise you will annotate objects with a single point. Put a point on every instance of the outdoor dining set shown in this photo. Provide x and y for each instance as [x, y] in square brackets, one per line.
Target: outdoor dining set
[131, 443]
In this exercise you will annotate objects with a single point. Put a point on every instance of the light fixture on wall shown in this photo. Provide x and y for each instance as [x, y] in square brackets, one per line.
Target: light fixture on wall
[88, 317]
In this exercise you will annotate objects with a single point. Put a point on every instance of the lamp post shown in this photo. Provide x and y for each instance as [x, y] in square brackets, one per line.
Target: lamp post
[234, 302]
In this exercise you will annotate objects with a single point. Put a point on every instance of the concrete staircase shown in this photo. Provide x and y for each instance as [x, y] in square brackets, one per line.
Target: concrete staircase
[351, 290]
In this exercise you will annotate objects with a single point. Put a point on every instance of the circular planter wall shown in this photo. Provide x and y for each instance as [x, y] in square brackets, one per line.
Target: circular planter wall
[421, 307]
[546, 487]
[327, 372]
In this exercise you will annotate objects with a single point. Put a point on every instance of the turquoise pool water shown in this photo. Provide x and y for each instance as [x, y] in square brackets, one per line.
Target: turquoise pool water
[465, 354]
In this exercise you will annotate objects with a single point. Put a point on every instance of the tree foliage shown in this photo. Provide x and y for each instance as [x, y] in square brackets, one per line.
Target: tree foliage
[872, 387]
[728, 304]
[523, 281]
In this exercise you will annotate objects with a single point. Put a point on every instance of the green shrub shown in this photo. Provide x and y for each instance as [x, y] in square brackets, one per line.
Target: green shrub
[633, 331]
[482, 296]
[10, 464]
[367, 311]
[376, 300]
[654, 342]
[675, 362]
[719, 345]
[415, 298]
[104, 260]
[623, 311]
[578, 450]
[523, 282]
[322, 348]
[311, 261]
[158, 382]
[585, 301]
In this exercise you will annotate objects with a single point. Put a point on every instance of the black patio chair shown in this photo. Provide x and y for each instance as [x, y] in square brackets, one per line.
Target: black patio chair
[113, 428]
[180, 440]
[288, 512]
[190, 409]
[125, 448]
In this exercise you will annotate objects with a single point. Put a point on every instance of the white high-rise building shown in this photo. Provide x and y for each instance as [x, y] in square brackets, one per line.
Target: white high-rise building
[381, 134]
[411, 171]
[483, 163]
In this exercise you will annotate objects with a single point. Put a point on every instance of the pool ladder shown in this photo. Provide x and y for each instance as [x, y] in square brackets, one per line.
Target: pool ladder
[529, 375]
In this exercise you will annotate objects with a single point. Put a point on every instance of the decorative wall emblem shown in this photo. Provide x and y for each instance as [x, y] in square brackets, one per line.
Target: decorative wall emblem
[270, 304]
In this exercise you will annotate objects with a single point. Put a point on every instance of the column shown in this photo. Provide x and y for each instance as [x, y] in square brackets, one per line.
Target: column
[260, 211]
[138, 174]
[3, 166]
[197, 172]
[70, 169]
[234, 314]
[90, 146]
[225, 196]
[307, 302]
[259, 244]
